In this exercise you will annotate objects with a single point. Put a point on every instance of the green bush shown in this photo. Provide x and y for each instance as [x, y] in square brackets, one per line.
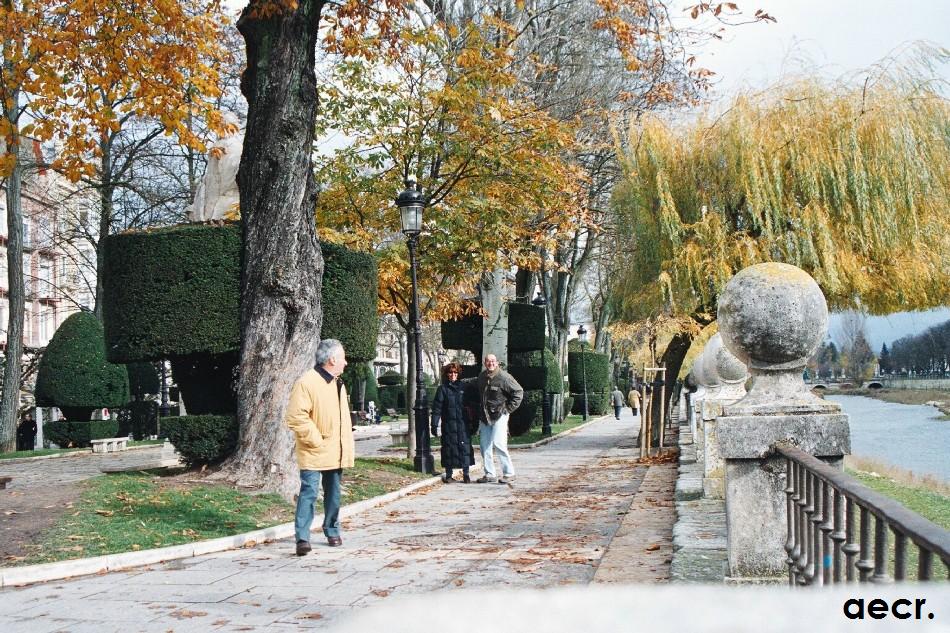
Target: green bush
[206, 382]
[464, 333]
[391, 378]
[74, 374]
[202, 439]
[350, 292]
[174, 292]
[77, 434]
[143, 379]
[525, 327]
[527, 370]
[599, 402]
[469, 371]
[529, 414]
[597, 369]
[568, 404]
[138, 418]
[392, 397]
[352, 377]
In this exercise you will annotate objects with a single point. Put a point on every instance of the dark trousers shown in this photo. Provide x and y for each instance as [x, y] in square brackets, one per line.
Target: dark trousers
[617, 409]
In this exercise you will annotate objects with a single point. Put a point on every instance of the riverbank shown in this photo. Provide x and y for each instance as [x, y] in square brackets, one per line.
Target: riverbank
[934, 397]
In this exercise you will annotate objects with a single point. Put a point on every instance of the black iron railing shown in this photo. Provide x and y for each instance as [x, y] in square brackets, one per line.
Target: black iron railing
[830, 517]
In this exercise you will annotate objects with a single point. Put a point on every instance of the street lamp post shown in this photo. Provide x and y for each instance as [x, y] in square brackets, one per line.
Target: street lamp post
[582, 335]
[411, 202]
[540, 301]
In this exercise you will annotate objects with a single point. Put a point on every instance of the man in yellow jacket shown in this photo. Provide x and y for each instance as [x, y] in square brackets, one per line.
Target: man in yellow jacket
[319, 415]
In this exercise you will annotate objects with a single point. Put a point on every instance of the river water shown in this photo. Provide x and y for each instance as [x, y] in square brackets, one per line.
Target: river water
[910, 436]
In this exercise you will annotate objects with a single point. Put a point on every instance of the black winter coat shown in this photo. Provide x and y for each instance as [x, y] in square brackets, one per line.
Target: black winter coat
[448, 408]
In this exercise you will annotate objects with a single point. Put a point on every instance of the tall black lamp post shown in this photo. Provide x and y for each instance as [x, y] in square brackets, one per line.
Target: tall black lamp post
[582, 336]
[411, 202]
[540, 301]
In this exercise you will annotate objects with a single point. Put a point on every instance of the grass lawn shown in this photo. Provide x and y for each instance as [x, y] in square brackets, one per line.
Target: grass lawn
[931, 505]
[41, 452]
[133, 511]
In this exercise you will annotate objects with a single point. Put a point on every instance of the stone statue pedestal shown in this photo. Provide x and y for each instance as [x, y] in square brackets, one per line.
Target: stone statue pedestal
[755, 481]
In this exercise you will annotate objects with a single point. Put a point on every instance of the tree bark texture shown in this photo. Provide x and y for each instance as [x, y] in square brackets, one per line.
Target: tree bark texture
[10, 394]
[282, 267]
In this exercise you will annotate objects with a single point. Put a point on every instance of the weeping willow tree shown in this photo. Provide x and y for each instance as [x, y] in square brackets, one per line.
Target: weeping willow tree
[847, 180]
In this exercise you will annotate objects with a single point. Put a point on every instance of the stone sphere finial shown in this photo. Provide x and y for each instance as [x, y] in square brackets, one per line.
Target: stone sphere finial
[773, 317]
[697, 371]
[708, 362]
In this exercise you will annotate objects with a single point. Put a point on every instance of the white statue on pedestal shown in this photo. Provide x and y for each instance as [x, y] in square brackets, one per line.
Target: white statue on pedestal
[217, 195]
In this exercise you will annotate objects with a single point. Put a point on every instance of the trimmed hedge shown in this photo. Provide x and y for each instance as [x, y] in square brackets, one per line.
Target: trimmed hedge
[568, 404]
[526, 369]
[351, 378]
[206, 382]
[464, 333]
[74, 374]
[392, 397]
[525, 327]
[350, 293]
[391, 378]
[202, 439]
[597, 368]
[143, 379]
[78, 433]
[174, 292]
[599, 402]
[528, 414]
[138, 418]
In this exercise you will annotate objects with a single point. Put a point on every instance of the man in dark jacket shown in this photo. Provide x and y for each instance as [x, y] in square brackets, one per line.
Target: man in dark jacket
[500, 395]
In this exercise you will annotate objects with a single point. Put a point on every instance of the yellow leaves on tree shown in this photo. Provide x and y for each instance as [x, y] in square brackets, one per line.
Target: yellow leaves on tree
[121, 63]
[448, 112]
[848, 181]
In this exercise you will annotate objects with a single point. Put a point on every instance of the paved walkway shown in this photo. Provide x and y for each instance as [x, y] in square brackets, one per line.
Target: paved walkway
[76, 467]
[570, 518]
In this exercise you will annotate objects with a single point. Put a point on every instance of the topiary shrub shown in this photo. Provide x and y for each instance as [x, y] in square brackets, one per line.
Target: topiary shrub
[74, 374]
[528, 414]
[599, 401]
[143, 379]
[391, 378]
[79, 433]
[138, 418]
[568, 404]
[350, 290]
[355, 375]
[202, 439]
[527, 370]
[464, 333]
[525, 327]
[597, 369]
[392, 397]
[206, 382]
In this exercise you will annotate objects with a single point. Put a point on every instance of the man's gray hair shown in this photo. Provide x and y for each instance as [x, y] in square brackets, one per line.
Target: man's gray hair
[326, 349]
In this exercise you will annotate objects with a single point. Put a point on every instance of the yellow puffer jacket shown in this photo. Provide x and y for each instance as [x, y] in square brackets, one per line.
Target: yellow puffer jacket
[319, 415]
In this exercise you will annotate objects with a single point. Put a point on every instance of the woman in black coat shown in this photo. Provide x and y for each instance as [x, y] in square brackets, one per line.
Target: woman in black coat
[449, 408]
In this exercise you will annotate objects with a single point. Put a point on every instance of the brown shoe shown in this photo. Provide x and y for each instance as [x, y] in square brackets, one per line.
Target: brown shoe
[303, 548]
[334, 541]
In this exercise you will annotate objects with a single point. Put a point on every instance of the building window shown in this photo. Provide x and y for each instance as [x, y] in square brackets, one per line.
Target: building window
[26, 231]
[45, 277]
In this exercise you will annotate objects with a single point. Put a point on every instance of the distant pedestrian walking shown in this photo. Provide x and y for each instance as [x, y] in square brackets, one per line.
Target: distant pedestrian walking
[633, 399]
[26, 433]
[319, 415]
[616, 398]
[500, 394]
[449, 409]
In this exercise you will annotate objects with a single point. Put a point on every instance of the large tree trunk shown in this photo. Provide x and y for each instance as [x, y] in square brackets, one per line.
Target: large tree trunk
[282, 266]
[10, 397]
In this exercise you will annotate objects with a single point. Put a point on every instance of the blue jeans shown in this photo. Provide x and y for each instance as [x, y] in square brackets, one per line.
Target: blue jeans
[309, 482]
[494, 438]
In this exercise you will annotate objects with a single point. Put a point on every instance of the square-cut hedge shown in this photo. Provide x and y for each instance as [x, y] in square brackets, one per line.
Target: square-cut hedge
[68, 434]
[464, 333]
[174, 292]
[525, 327]
[528, 414]
[527, 370]
[596, 367]
[201, 439]
[138, 418]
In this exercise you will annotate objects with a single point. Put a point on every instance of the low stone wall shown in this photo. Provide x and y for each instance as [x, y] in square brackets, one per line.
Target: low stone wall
[699, 534]
[914, 383]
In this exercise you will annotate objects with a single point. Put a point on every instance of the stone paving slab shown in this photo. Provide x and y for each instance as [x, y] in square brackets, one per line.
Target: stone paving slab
[550, 528]
[64, 470]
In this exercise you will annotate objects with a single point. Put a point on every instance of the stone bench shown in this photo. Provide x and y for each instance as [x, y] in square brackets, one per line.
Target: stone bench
[400, 437]
[4, 481]
[109, 445]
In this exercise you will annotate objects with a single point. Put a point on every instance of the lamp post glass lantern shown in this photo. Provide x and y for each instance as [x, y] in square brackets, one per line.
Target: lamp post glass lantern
[582, 336]
[411, 202]
[540, 301]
